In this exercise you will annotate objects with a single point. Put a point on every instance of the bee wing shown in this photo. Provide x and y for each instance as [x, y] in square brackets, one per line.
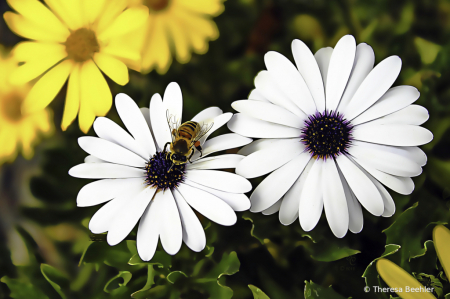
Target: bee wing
[202, 131]
[173, 125]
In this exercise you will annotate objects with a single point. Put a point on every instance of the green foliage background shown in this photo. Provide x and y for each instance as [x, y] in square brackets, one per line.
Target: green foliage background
[45, 247]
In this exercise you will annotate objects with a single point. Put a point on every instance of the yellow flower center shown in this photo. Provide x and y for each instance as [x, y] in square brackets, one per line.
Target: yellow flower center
[11, 106]
[156, 4]
[82, 44]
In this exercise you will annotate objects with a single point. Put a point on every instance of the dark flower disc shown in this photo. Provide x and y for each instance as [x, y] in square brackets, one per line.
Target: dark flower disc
[160, 172]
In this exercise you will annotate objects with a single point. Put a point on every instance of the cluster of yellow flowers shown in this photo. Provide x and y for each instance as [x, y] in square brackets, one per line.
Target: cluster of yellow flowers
[77, 41]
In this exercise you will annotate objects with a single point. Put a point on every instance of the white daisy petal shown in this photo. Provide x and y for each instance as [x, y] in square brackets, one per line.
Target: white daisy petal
[103, 190]
[272, 188]
[309, 69]
[386, 159]
[290, 81]
[377, 82]
[339, 69]
[149, 229]
[258, 145]
[220, 180]
[126, 219]
[221, 143]
[397, 135]
[171, 233]
[237, 201]
[311, 198]
[257, 96]
[334, 200]
[402, 185]
[105, 171]
[109, 130]
[135, 122]
[193, 232]
[110, 152]
[146, 113]
[393, 100]
[216, 162]
[269, 159]
[273, 208]
[218, 122]
[265, 84]
[355, 220]
[389, 205]
[158, 118]
[268, 112]
[364, 60]
[364, 190]
[208, 205]
[416, 154]
[207, 114]
[93, 159]
[104, 218]
[173, 101]
[291, 200]
[323, 57]
[411, 115]
[252, 127]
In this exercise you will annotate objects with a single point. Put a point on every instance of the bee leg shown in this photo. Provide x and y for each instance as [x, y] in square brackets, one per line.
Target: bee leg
[198, 147]
[165, 147]
[190, 156]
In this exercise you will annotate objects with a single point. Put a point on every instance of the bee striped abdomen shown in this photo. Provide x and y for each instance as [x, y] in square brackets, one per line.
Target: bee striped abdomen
[187, 129]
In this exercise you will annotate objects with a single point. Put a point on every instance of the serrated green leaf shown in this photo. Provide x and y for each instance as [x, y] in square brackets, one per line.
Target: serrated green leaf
[143, 293]
[121, 287]
[315, 291]
[332, 252]
[172, 277]
[257, 293]
[22, 290]
[58, 281]
[160, 259]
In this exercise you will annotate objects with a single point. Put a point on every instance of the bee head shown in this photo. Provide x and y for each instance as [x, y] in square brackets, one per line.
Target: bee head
[178, 159]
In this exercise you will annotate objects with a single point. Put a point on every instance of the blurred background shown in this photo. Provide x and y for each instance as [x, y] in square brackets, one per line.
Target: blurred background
[46, 250]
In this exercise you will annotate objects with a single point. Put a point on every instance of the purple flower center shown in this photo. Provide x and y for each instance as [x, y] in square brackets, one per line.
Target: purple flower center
[327, 135]
[162, 174]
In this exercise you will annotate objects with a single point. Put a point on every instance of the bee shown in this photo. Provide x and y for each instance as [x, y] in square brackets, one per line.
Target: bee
[185, 140]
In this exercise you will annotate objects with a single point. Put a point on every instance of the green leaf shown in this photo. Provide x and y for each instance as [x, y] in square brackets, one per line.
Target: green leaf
[22, 290]
[58, 281]
[370, 274]
[121, 288]
[332, 252]
[428, 51]
[172, 277]
[160, 259]
[257, 293]
[315, 291]
[101, 252]
[143, 293]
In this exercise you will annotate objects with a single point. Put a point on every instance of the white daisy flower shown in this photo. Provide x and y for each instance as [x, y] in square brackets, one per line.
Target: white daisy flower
[332, 133]
[138, 180]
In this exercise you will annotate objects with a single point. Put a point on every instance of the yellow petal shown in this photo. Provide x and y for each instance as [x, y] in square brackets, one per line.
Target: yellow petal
[72, 104]
[441, 238]
[179, 38]
[46, 89]
[202, 25]
[8, 140]
[210, 7]
[26, 51]
[37, 13]
[400, 280]
[121, 51]
[126, 22]
[92, 9]
[86, 116]
[70, 12]
[25, 28]
[94, 89]
[113, 68]
[111, 11]
[156, 51]
[34, 68]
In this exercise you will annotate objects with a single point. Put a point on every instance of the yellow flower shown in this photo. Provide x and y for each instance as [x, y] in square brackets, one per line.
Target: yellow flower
[18, 131]
[175, 26]
[74, 39]
[403, 282]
